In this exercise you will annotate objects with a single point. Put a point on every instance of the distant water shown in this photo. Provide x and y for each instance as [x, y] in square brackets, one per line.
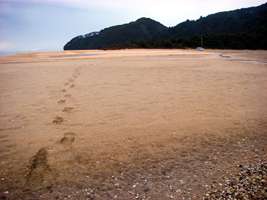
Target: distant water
[74, 55]
[6, 53]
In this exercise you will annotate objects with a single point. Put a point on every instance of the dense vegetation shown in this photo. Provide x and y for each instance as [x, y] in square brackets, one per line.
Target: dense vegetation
[120, 36]
[238, 29]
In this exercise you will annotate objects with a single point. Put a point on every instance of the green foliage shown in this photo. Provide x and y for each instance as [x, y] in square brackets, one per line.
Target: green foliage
[238, 29]
[120, 36]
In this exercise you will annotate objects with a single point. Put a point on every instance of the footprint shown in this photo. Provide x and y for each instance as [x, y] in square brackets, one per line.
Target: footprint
[68, 138]
[72, 86]
[39, 168]
[70, 80]
[39, 160]
[61, 101]
[58, 120]
[67, 109]
[66, 84]
[63, 90]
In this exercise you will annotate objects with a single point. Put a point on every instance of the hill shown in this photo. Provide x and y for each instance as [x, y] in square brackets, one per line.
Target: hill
[118, 36]
[239, 29]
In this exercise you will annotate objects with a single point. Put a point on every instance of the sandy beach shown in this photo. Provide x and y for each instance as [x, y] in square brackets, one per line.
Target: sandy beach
[129, 124]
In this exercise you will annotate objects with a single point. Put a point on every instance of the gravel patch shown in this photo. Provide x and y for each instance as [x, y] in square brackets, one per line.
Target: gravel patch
[249, 184]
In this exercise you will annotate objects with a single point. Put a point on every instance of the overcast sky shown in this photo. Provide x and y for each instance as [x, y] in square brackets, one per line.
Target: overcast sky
[31, 25]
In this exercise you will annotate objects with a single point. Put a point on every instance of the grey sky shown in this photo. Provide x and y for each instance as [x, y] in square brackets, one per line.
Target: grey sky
[27, 25]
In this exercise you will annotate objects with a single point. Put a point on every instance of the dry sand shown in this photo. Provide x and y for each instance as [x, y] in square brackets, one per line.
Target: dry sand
[129, 124]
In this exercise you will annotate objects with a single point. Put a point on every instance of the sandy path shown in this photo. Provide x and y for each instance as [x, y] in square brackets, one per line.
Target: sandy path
[128, 124]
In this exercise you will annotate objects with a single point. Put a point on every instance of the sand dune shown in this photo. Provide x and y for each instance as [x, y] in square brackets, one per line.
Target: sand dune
[129, 124]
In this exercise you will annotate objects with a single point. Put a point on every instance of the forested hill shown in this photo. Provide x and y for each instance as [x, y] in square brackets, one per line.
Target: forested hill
[239, 29]
[118, 36]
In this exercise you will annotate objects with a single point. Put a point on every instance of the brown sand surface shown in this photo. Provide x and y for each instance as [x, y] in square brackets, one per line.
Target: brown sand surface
[129, 124]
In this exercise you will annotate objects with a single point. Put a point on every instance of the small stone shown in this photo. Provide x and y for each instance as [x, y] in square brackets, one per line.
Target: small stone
[178, 191]
[117, 184]
[146, 189]
[247, 184]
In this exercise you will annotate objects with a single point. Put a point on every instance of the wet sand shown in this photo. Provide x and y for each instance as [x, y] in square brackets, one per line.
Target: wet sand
[129, 124]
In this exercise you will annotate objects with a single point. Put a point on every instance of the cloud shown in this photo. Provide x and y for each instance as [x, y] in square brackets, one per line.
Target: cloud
[159, 9]
[141, 4]
[6, 46]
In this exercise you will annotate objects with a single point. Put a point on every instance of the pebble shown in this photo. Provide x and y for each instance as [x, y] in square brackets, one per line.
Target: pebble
[249, 183]
[178, 191]
[116, 184]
